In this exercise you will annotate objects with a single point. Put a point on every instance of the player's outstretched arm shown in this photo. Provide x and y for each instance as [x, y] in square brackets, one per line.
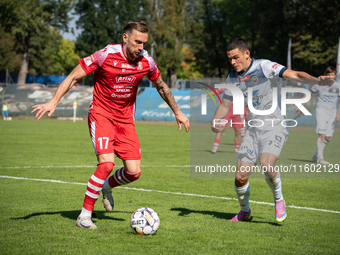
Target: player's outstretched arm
[306, 78]
[220, 113]
[165, 92]
[40, 109]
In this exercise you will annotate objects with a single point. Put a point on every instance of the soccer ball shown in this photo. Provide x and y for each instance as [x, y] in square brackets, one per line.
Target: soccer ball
[144, 221]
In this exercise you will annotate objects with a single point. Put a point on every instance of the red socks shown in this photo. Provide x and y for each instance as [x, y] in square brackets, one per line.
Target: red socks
[95, 184]
[122, 177]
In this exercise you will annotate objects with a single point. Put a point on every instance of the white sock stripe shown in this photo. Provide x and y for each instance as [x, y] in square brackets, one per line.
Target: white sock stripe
[93, 134]
[116, 177]
[91, 186]
[123, 176]
[97, 180]
[216, 144]
[90, 194]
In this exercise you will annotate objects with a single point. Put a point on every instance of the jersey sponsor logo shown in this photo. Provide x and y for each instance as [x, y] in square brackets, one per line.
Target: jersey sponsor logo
[89, 60]
[245, 78]
[123, 88]
[126, 70]
[276, 65]
[121, 95]
[128, 66]
[125, 79]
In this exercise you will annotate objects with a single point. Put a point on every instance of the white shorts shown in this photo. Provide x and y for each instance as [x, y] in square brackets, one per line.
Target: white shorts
[256, 142]
[325, 123]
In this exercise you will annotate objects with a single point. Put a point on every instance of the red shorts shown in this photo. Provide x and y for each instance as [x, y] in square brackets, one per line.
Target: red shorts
[237, 121]
[109, 136]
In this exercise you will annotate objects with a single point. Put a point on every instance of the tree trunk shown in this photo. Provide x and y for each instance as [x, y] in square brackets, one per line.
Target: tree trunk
[173, 80]
[24, 63]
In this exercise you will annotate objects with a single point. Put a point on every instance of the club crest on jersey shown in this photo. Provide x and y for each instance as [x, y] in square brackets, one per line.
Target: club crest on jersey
[89, 60]
[139, 66]
[254, 79]
[125, 79]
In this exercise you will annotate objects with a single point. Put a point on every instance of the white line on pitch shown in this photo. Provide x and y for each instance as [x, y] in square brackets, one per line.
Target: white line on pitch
[17, 167]
[167, 192]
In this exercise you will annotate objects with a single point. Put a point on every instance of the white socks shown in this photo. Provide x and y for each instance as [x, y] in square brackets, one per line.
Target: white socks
[275, 185]
[85, 213]
[320, 145]
[106, 185]
[243, 194]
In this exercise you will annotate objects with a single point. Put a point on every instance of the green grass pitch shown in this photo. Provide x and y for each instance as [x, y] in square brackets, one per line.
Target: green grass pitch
[38, 215]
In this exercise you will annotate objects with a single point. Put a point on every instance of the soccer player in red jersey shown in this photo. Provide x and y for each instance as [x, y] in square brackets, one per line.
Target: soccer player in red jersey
[118, 70]
[237, 122]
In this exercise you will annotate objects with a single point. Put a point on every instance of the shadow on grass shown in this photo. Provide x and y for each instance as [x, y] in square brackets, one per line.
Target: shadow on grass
[302, 160]
[219, 215]
[73, 215]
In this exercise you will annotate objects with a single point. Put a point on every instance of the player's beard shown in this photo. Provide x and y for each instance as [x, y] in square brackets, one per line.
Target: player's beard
[131, 53]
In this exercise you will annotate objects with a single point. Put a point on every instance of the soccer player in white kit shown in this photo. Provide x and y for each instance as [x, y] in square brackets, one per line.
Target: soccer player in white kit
[263, 140]
[326, 115]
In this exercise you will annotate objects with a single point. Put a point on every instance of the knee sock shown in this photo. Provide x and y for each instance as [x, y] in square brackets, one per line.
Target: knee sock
[243, 131]
[320, 147]
[275, 185]
[94, 187]
[325, 144]
[243, 194]
[120, 177]
[217, 142]
[237, 145]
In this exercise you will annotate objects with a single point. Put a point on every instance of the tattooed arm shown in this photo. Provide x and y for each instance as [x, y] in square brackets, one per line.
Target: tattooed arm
[168, 97]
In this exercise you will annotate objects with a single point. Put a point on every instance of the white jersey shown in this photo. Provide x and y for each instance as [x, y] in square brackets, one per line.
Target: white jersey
[327, 98]
[260, 76]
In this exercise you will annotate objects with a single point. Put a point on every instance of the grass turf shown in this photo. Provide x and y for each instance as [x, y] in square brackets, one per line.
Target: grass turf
[38, 217]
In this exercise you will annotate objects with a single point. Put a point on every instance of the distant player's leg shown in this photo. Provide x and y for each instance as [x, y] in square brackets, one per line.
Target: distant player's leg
[218, 136]
[328, 136]
[128, 149]
[322, 126]
[272, 144]
[217, 140]
[321, 146]
[238, 123]
[237, 139]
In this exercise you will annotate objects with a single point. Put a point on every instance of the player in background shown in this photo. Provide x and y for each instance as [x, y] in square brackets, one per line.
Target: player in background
[118, 70]
[5, 111]
[326, 115]
[261, 143]
[236, 123]
[239, 129]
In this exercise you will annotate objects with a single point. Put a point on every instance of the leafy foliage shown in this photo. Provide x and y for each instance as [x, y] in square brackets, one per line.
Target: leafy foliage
[30, 22]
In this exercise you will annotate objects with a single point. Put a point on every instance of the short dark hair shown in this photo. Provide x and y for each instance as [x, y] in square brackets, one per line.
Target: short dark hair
[238, 43]
[330, 69]
[140, 26]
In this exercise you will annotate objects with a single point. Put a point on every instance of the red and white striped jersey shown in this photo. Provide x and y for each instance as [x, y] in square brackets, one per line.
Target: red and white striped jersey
[116, 80]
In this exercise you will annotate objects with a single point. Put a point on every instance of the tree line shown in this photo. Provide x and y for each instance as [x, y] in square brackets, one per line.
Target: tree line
[189, 37]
